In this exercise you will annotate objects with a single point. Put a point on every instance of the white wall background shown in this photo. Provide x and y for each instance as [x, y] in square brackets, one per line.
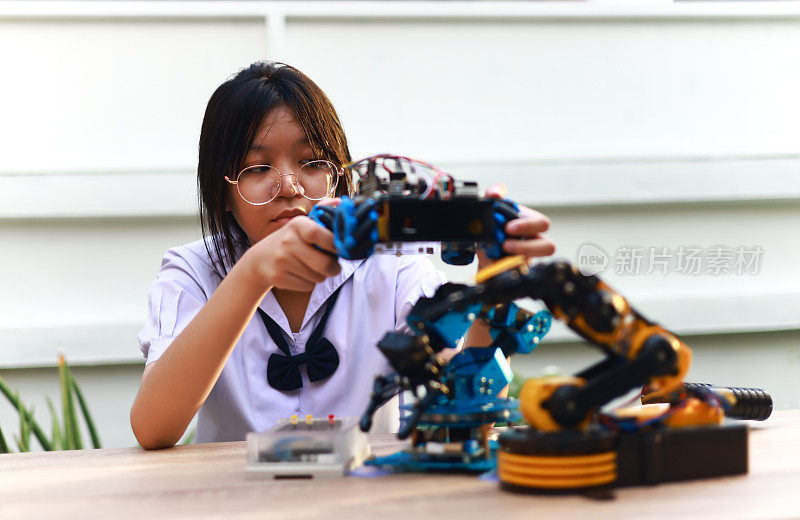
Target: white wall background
[649, 125]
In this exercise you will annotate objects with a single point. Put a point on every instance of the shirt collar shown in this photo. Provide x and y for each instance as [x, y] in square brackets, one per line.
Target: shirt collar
[319, 295]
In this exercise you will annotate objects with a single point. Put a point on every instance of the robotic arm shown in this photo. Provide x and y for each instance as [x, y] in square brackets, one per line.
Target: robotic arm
[680, 425]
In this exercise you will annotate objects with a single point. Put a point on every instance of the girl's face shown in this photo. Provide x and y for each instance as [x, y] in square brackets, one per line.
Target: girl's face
[280, 142]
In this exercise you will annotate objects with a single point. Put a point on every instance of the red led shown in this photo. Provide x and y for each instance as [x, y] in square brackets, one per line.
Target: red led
[330, 419]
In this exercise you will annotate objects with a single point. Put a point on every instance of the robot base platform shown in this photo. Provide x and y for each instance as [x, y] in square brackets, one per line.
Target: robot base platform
[571, 461]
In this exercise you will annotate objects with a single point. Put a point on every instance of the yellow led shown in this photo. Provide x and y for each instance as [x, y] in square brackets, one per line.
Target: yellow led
[309, 419]
[294, 419]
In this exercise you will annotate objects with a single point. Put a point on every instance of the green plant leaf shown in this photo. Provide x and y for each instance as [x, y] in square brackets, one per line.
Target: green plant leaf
[58, 433]
[87, 417]
[73, 436]
[15, 402]
[3, 446]
[24, 440]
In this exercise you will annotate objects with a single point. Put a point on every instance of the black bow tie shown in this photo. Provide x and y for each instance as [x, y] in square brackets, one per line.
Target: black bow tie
[320, 357]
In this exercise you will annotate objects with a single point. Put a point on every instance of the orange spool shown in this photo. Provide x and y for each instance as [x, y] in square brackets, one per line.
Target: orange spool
[564, 460]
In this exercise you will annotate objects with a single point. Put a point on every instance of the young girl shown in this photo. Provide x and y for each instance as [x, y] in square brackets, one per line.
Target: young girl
[260, 321]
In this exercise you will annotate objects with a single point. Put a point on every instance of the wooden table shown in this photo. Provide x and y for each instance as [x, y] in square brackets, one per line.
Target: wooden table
[208, 481]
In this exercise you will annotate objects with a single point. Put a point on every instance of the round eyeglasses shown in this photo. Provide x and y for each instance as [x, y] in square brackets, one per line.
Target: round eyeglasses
[259, 184]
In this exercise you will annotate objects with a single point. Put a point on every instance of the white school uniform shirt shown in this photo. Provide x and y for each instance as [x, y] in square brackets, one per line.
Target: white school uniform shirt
[376, 296]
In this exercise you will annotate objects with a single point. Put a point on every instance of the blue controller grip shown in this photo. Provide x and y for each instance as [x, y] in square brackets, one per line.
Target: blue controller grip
[505, 210]
[323, 215]
[354, 226]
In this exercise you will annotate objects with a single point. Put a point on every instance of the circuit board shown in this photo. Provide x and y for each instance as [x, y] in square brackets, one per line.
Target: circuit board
[309, 448]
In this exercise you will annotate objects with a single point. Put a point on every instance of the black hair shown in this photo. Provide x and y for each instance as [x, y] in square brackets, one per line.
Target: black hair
[234, 114]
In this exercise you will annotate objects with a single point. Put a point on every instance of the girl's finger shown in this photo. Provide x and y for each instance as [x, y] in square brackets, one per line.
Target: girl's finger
[525, 211]
[301, 269]
[319, 261]
[313, 234]
[541, 246]
[497, 191]
[528, 226]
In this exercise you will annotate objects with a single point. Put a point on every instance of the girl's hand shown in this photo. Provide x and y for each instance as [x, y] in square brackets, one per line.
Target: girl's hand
[288, 259]
[525, 234]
